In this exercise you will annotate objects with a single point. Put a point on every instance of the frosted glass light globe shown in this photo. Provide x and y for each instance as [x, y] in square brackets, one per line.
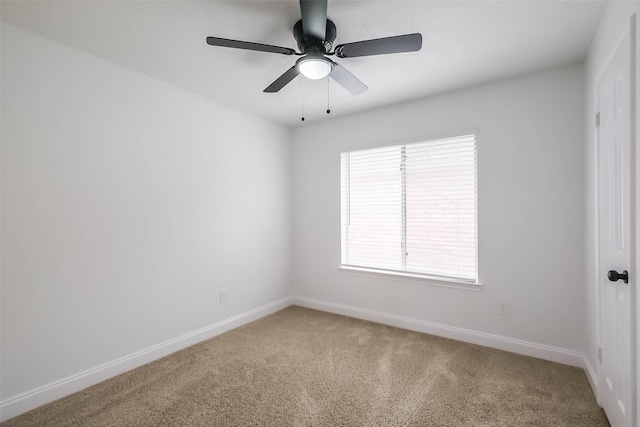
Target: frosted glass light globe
[315, 68]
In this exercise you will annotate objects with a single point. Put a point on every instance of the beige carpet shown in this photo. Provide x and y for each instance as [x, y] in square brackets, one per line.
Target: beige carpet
[302, 367]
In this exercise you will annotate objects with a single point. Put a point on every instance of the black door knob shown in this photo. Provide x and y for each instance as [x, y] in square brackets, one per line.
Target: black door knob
[614, 276]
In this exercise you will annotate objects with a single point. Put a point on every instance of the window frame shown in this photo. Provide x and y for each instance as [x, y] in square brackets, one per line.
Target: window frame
[411, 277]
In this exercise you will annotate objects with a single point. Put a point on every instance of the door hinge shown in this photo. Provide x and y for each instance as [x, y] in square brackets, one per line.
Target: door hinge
[598, 119]
[600, 354]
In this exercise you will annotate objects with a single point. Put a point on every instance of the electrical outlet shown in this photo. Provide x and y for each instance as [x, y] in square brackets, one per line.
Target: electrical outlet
[223, 295]
[504, 308]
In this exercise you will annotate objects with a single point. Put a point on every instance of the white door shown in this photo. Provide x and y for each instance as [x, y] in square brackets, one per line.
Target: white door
[615, 240]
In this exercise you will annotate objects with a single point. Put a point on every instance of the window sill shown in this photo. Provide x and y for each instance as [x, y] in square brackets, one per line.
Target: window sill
[413, 278]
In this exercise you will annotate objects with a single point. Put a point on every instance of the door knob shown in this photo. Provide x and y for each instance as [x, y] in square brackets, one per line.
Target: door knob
[614, 276]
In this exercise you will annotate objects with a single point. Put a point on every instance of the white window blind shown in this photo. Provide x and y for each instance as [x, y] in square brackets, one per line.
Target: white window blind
[412, 208]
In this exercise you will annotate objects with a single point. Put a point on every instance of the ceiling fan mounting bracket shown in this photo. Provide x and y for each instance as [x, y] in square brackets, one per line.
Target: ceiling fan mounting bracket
[312, 45]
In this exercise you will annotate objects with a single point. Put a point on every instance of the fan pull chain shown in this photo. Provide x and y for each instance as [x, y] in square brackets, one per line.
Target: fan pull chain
[302, 92]
[328, 105]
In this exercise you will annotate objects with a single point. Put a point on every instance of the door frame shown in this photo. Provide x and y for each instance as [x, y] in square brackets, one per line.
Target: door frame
[630, 32]
[635, 194]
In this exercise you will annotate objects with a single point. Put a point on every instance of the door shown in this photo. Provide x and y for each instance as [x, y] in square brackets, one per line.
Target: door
[615, 239]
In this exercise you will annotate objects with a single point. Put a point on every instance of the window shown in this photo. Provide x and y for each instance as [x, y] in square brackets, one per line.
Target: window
[412, 209]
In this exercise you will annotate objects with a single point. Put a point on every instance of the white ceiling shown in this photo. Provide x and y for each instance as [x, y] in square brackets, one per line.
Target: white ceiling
[464, 43]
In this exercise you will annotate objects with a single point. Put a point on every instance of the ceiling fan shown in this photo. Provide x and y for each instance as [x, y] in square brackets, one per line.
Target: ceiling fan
[315, 34]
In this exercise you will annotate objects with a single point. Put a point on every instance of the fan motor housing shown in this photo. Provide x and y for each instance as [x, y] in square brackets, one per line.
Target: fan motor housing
[311, 45]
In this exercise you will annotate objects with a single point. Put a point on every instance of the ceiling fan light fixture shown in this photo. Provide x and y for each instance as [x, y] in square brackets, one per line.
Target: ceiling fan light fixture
[315, 34]
[315, 67]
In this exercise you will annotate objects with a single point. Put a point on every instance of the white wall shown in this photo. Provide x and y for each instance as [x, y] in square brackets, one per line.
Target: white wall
[127, 204]
[614, 22]
[530, 172]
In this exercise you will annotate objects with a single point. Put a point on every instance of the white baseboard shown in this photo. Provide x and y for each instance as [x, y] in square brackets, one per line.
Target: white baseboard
[22, 403]
[540, 351]
[592, 376]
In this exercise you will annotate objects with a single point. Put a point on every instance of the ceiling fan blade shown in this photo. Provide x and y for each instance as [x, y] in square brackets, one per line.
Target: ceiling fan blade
[314, 18]
[237, 44]
[347, 80]
[395, 44]
[283, 80]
